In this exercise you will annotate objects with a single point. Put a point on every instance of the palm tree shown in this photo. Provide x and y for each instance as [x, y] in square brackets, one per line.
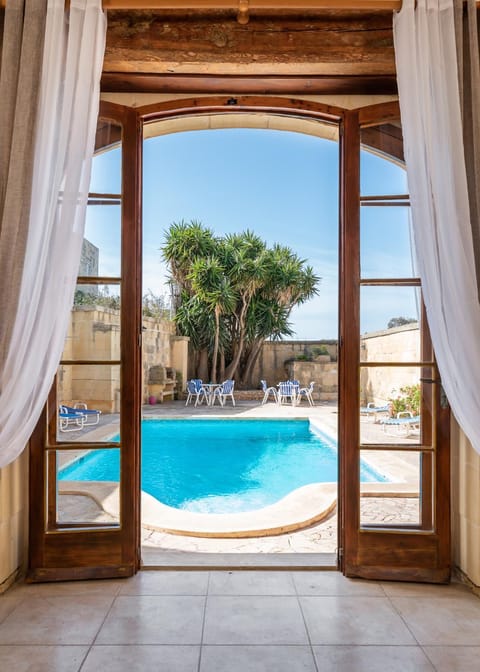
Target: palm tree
[212, 286]
[235, 293]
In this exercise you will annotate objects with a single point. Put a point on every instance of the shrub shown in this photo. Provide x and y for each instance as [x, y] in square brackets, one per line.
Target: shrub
[408, 399]
[319, 350]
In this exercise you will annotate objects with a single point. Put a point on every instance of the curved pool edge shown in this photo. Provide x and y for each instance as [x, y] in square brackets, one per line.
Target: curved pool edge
[301, 508]
[308, 505]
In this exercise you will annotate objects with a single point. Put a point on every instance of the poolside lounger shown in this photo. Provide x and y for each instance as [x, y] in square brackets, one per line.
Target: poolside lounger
[370, 410]
[92, 416]
[405, 422]
[70, 421]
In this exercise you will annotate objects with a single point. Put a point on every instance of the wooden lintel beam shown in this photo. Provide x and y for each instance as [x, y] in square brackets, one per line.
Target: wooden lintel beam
[129, 82]
[252, 5]
[246, 6]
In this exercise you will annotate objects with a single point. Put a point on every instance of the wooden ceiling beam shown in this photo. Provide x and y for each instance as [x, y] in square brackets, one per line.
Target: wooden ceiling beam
[243, 6]
[252, 5]
[129, 82]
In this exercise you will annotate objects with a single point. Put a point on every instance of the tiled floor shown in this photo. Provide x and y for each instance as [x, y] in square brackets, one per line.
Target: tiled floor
[239, 621]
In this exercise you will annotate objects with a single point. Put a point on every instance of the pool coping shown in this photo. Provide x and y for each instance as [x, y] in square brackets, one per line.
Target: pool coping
[301, 508]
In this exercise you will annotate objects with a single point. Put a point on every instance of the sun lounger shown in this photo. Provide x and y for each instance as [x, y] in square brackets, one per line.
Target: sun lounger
[92, 416]
[405, 423]
[372, 411]
[70, 420]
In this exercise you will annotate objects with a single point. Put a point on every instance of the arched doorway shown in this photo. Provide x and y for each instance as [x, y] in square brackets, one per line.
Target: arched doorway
[389, 550]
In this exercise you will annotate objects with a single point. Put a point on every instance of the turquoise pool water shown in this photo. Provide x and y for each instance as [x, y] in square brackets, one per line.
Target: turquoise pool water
[222, 466]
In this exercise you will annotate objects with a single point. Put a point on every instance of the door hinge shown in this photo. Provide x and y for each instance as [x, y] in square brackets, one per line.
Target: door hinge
[140, 339]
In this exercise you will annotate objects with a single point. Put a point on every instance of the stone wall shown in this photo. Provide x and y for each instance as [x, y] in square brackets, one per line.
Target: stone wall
[273, 361]
[401, 344]
[13, 520]
[465, 505]
[279, 361]
[94, 333]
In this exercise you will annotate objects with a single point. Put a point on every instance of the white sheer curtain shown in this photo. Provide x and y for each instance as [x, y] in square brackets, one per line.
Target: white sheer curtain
[426, 58]
[64, 143]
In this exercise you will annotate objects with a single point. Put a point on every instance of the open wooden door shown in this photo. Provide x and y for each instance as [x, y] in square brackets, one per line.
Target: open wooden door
[91, 528]
[399, 528]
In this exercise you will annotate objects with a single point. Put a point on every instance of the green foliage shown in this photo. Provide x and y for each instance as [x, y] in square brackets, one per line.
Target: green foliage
[153, 306]
[408, 399]
[101, 297]
[319, 350]
[400, 321]
[233, 292]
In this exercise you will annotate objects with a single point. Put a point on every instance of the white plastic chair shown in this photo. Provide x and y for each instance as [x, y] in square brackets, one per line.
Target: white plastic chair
[267, 391]
[287, 391]
[225, 390]
[306, 392]
[195, 389]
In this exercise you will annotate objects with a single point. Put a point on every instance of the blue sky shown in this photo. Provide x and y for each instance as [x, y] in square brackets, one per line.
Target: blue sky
[283, 186]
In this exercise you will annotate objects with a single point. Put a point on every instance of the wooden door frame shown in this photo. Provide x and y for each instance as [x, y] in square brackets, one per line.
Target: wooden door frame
[46, 554]
[422, 554]
[81, 551]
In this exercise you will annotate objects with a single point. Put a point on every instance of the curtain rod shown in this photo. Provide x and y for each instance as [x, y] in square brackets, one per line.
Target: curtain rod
[244, 6]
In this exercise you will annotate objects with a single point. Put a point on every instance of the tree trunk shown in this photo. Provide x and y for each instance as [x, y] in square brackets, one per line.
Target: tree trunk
[215, 347]
[203, 365]
[222, 366]
[232, 367]
[251, 361]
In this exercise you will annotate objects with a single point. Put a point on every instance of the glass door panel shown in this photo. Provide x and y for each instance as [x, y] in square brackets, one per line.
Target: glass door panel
[86, 444]
[395, 452]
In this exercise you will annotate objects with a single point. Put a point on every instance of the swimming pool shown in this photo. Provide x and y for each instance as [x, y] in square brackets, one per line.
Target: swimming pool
[222, 466]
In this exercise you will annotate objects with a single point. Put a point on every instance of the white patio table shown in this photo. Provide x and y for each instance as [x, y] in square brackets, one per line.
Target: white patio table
[210, 391]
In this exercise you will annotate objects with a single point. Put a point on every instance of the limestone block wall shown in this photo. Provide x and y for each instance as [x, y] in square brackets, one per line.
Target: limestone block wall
[401, 344]
[465, 467]
[271, 364]
[13, 520]
[94, 333]
[155, 348]
[324, 374]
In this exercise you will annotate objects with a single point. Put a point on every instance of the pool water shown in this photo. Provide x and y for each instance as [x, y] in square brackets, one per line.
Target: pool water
[222, 466]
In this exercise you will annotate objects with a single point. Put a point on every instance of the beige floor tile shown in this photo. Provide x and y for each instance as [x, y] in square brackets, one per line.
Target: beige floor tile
[147, 658]
[371, 659]
[257, 659]
[8, 604]
[334, 583]
[148, 619]
[401, 589]
[66, 588]
[55, 620]
[454, 658]
[251, 583]
[443, 620]
[253, 620]
[354, 620]
[42, 658]
[160, 582]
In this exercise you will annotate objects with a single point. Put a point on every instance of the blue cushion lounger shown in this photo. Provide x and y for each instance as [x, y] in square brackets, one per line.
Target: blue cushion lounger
[92, 416]
[404, 421]
[370, 410]
[68, 416]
